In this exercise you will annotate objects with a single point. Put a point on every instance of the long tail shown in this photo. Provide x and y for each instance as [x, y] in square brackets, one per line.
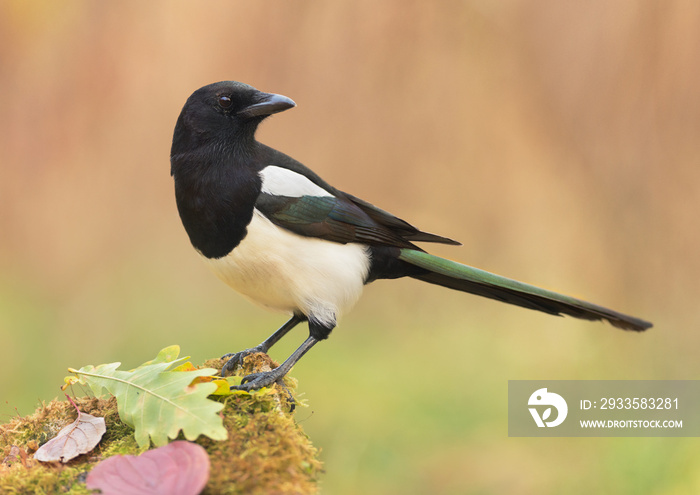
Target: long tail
[467, 279]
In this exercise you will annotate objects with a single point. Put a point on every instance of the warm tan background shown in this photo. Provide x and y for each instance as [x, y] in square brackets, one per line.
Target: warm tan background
[558, 140]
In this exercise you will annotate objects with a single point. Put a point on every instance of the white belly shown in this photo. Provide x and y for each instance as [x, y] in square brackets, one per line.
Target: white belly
[288, 272]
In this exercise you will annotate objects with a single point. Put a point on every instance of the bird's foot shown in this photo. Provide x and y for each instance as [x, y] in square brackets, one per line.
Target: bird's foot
[262, 379]
[236, 359]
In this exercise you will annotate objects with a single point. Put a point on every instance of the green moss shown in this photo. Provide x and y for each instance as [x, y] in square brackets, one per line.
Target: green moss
[266, 452]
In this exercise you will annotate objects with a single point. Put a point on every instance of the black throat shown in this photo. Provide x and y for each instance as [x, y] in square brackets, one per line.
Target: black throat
[216, 187]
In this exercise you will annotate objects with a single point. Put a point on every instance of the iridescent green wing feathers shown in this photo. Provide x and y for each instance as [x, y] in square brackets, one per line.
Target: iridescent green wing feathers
[341, 220]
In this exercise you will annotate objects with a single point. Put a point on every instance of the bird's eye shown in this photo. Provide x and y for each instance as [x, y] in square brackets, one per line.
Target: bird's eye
[225, 101]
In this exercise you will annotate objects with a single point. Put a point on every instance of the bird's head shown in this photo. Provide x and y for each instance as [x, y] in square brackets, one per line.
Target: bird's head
[226, 111]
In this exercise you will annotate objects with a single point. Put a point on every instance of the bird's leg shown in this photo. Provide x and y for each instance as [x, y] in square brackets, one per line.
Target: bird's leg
[267, 378]
[317, 332]
[236, 358]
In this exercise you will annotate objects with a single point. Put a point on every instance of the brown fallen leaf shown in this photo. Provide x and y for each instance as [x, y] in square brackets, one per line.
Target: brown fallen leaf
[13, 456]
[179, 468]
[79, 437]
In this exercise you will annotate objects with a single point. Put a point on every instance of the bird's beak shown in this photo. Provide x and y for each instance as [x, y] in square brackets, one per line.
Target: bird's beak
[268, 103]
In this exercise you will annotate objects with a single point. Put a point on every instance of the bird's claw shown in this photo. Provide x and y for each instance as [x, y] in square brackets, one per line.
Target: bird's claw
[259, 380]
[236, 359]
[262, 379]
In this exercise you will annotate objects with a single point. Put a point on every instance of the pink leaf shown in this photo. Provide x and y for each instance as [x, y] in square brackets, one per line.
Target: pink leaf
[179, 468]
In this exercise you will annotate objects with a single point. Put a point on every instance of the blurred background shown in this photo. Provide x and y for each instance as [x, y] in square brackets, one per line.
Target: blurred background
[558, 140]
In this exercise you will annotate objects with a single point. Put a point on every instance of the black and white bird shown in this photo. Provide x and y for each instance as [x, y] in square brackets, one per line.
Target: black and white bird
[283, 237]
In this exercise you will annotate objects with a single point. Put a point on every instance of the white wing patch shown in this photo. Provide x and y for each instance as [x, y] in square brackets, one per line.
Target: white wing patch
[280, 181]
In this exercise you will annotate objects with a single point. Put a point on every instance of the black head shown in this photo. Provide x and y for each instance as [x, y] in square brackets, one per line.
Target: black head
[227, 111]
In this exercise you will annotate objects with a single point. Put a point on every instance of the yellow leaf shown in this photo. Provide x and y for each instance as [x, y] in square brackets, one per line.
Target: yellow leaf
[188, 366]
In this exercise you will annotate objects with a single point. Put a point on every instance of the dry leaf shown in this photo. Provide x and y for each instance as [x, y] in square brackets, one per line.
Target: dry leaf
[179, 468]
[79, 437]
[16, 454]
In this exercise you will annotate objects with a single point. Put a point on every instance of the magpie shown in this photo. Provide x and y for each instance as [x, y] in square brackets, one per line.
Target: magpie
[283, 237]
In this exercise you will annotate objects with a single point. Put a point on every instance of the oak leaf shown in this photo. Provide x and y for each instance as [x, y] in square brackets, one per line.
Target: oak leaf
[157, 401]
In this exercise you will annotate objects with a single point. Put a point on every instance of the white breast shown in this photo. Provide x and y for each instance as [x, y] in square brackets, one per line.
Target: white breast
[289, 272]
